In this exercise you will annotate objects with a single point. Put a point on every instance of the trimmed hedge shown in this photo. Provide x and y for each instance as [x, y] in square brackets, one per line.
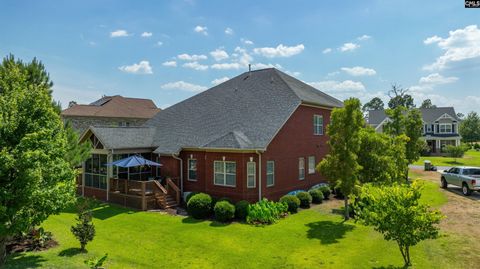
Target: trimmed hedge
[317, 196]
[241, 210]
[326, 192]
[292, 202]
[190, 195]
[305, 199]
[200, 206]
[224, 211]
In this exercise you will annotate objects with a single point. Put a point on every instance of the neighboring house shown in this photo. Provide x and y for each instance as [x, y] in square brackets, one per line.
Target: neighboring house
[258, 135]
[440, 126]
[110, 111]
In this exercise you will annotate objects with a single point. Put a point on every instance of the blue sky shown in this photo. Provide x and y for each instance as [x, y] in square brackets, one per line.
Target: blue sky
[171, 50]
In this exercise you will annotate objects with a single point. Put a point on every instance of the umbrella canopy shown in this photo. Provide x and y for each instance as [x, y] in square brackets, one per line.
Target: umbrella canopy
[132, 161]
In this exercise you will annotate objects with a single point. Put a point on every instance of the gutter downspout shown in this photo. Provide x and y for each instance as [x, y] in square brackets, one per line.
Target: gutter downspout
[181, 173]
[259, 175]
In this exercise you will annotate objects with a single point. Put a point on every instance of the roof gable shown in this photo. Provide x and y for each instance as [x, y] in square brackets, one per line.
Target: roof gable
[429, 115]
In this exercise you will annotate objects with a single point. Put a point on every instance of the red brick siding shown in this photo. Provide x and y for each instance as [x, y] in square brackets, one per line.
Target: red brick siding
[295, 140]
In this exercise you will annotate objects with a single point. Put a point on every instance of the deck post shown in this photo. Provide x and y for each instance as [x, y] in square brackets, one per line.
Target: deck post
[144, 202]
[109, 174]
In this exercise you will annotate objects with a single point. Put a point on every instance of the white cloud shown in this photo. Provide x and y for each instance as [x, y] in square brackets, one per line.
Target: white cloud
[294, 73]
[226, 66]
[143, 67]
[460, 45]
[194, 57]
[279, 51]
[159, 44]
[119, 33]
[436, 79]
[349, 47]
[170, 63]
[338, 86]
[246, 41]
[201, 30]
[363, 37]
[147, 34]
[241, 59]
[195, 65]
[219, 54]
[359, 71]
[229, 31]
[432, 39]
[183, 86]
[219, 80]
[327, 50]
[263, 66]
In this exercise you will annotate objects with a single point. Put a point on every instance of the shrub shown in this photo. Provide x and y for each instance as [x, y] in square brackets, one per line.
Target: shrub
[226, 199]
[190, 195]
[95, 263]
[292, 202]
[224, 211]
[305, 199]
[84, 230]
[325, 191]
[200, 206]
[241, 209]
[338, 193]
[456, 151]
[317, 196]
[265, 212]
[476, 146]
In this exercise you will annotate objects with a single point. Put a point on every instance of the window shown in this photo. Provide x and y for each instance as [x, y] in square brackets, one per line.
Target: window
[224, 173]
[301, 168]
[270, 173]
[317, 124]
[311, 164]
[123, 124]
[192, 169]
[445, 128]
[251, 174]
[429, 128]
[96, 171]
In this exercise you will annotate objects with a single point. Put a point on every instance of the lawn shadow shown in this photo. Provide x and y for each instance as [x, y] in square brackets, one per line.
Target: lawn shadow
[191, 220]
[390, 267]
[108, 211]
[21, 260]
[69, 252]
[219, 224]
[328, 232]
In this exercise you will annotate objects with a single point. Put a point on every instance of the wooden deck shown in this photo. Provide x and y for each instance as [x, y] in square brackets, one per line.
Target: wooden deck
[144, 195]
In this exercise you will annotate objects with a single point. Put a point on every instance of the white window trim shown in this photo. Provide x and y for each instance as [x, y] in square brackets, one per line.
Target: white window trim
[315, 124]
[445, 131]
[188, 169]
[254, 175]
[301, 168]
[273, 173]
[311, 171]
[225, 174]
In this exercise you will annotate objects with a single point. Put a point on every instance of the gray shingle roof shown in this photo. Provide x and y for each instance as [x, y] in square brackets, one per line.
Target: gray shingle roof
[124, 137]
[375, 117]
[244, 112]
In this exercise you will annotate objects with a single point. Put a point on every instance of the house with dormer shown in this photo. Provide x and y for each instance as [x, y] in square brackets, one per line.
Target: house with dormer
[440, 126]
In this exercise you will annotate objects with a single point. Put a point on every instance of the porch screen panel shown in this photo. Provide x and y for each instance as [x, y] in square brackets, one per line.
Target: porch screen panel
[96, 171]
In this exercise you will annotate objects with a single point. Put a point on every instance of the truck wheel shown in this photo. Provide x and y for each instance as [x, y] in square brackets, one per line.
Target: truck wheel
[466, 190]
[444, 183]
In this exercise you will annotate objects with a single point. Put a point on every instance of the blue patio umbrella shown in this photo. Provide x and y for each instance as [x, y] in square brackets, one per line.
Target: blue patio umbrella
[133, 161]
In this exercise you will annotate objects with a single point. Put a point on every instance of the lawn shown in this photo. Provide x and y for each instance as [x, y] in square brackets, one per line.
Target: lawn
[471, 158]
[312, 238]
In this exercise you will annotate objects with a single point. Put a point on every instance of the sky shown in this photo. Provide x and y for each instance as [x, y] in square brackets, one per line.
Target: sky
[171, 50]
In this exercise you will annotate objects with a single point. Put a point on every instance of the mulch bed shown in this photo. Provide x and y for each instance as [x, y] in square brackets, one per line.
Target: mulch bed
[28, 243]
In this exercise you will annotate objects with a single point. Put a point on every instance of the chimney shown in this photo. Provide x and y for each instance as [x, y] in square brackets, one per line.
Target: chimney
[249, 68]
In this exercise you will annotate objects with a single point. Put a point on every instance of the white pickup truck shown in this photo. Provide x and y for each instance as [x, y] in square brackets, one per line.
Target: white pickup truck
[468, 178]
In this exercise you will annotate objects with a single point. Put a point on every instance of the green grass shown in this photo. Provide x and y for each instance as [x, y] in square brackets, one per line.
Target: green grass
[471, 158]
[312, 238]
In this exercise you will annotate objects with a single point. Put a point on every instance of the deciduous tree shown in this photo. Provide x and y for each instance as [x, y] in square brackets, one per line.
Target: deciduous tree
[36, 179]
[341, 164]
[427, 103]
[374, 104]
[470, 128]
[399, 97]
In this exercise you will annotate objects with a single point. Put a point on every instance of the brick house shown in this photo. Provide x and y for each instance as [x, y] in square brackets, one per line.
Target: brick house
[110, 111]
[440, 127]
[257, 135]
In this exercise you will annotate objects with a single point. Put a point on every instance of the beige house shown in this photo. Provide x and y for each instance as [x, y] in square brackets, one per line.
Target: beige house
[111, 111]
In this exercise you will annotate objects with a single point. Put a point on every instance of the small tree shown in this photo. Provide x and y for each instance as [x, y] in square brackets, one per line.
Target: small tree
[395, 212]
[341, 164]
[456, 151]
[95, 263]
[84, 230]
[413, 130]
